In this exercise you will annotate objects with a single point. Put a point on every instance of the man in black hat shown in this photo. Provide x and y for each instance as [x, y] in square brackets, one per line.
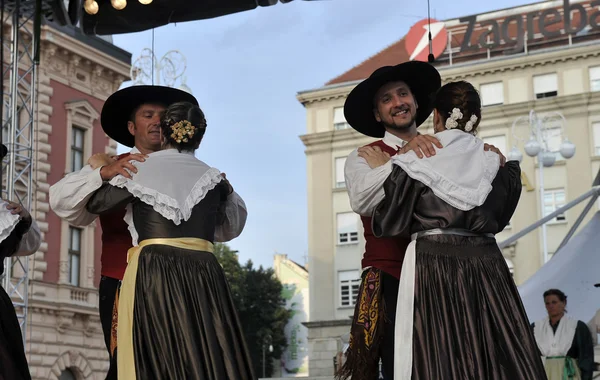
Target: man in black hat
[131, 117]
[391, 104]
[19, 236]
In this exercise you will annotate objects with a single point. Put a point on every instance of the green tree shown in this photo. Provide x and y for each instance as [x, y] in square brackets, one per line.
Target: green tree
[257, 294]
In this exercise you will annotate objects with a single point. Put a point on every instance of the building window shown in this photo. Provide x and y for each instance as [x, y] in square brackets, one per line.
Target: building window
[595, 78]
[596, 131]
[77, 147]
[340, 180]
[492, 94]
[339, 120]
[349, 285]
[74, 255]
[553, 200]
[347, 228]
[545, 86]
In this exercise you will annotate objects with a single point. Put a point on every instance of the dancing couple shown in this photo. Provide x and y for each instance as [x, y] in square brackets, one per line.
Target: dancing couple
[167, 311]
[437, 300]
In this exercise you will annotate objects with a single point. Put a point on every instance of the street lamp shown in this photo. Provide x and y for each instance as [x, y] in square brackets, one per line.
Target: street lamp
[169, 70]
[266, 340]
[541, 128]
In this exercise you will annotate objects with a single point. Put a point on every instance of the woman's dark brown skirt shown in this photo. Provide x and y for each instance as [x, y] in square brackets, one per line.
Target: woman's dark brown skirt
[185, 323]
[13, 363]
[469, 321]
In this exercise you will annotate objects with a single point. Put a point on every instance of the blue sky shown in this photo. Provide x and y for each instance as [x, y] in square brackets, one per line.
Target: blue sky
[245, 69]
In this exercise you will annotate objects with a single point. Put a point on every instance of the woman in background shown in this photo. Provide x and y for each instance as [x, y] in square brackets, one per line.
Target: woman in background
[564, 342]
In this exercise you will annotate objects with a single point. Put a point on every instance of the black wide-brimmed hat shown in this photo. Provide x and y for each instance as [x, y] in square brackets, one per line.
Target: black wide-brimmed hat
[422, 78]
[4, 151]
[117, 109]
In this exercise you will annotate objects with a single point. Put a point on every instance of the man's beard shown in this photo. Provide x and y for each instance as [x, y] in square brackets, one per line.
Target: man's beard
[401, 126]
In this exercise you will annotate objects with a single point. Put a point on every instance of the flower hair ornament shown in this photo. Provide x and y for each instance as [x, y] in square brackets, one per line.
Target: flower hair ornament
[470, 123]
[451, 122]
[182, 131]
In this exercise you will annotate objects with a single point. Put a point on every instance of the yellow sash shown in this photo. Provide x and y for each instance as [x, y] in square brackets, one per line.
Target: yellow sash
[125, 357]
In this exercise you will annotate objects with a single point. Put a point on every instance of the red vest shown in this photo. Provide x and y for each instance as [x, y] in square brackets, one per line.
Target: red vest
[386, 254]
[116, 241]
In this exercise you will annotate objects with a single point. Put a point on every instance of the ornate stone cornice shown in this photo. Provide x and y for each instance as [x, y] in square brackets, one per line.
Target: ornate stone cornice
[521, 62]
[82, 109]
[79, 65]
[568, 105]
[325, 93]
[334, 139]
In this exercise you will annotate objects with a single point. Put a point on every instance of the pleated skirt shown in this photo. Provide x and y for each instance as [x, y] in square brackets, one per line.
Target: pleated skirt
[185, 325]
[13, 363]
[469, 321]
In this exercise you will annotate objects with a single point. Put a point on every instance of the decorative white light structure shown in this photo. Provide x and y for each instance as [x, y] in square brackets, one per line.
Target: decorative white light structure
[91, 6]
[540, 130]
[168, 71]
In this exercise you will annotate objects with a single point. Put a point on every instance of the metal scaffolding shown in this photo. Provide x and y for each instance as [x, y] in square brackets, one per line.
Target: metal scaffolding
[20, 22]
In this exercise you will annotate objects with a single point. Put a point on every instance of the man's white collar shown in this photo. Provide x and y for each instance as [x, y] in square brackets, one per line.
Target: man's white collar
[393, 141]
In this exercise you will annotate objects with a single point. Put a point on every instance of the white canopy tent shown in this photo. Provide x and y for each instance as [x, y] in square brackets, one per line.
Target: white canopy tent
[574, 269]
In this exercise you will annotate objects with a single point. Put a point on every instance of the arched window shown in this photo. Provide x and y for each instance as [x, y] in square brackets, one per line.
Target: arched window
[67, 374]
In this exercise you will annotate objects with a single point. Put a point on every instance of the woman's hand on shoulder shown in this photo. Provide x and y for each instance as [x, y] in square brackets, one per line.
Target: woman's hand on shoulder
[422, 145]
[17, 209]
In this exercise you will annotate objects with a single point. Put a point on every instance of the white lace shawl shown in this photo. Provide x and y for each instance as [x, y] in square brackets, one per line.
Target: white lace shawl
[8, 221]
[461, 173]
[171, 182]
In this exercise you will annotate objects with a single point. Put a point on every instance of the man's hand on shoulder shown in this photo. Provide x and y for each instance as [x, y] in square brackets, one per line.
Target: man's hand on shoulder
[226, 182]
[422, 145]
[100, 159]
[108, 172]
[374, 156]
